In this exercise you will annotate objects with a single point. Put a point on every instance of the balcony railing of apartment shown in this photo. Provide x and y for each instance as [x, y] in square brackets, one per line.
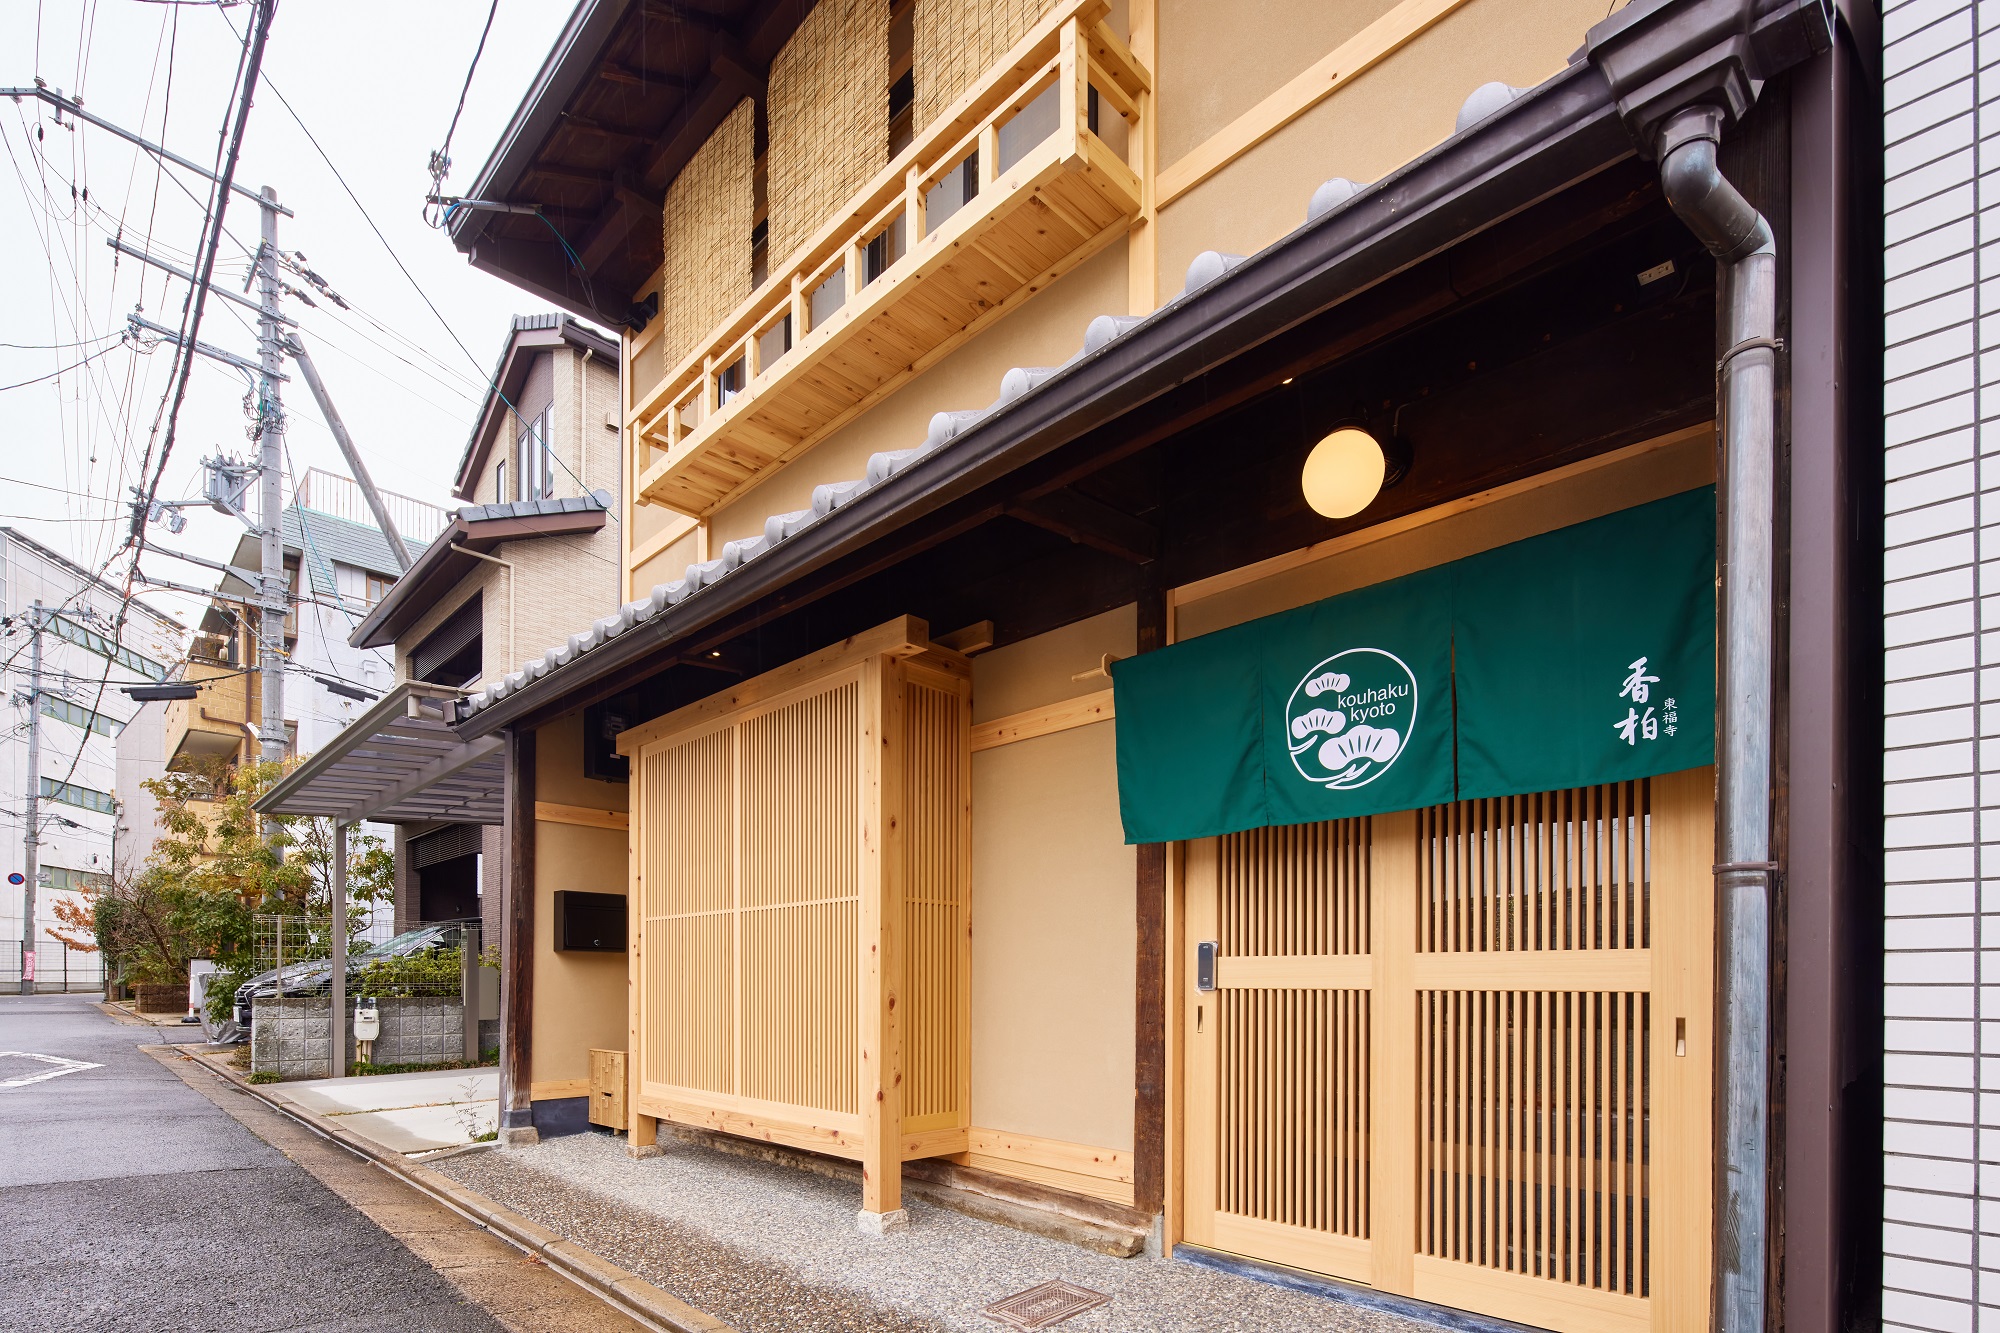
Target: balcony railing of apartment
[1011, 187]
[213, 723]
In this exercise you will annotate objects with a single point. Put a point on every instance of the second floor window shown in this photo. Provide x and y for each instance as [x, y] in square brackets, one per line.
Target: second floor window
[69, 793]
[535, 465]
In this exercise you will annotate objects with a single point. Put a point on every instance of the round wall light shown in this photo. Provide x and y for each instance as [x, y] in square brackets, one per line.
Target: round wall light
[1347, 470]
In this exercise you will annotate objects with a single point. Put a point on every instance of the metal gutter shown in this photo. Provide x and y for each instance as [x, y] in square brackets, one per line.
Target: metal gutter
[1741, 241]
[1564, 130]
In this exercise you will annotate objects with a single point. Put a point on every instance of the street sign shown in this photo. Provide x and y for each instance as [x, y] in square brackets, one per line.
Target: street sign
[17, 878]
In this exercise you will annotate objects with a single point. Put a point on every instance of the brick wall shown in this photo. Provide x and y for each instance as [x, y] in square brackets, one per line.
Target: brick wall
[1940, 732]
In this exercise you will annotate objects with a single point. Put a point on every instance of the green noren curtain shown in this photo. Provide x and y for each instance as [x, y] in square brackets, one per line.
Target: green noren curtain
[1582, 656]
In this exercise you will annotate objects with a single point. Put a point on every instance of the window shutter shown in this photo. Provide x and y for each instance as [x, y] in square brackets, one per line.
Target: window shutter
[707, 236]
[958, 40]
[829, 114]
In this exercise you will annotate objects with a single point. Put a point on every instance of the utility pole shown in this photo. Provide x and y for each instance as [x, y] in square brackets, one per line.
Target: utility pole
[270, 508]
[31, 840]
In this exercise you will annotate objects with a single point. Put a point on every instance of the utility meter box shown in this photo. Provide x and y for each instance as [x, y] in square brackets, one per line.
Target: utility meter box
[367, 1019]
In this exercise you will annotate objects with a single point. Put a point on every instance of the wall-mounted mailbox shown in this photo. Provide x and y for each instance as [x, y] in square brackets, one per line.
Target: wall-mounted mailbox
[590, 922]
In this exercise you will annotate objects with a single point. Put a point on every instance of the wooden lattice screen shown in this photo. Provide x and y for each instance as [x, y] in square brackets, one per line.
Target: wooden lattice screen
[706, 269]
[802, 964]
[958, 40]
[829, 116]
[1463, 1053]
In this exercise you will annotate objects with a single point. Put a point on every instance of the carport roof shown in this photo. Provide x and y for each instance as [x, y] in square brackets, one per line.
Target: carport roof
[399, 763]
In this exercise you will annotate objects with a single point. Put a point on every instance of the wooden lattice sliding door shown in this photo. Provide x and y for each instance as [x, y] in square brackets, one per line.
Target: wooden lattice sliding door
[802, 954]
[1463, 1053]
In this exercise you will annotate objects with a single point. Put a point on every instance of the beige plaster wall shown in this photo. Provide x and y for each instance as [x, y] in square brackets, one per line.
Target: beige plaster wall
[559, 775]
[1054, 935]
[579, 1000]
[1053, 903]
[1391, 114]
[1036, 672]
[1216, 61]
[1045, 331]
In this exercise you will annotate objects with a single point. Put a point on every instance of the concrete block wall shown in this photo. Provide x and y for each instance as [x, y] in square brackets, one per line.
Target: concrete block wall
[1941, 1206]
[290, 1037]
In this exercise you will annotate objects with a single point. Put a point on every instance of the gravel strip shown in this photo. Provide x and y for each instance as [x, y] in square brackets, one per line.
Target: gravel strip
[771, 1249]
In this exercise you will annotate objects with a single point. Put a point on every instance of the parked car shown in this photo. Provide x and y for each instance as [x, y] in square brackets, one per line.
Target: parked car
[313, 977]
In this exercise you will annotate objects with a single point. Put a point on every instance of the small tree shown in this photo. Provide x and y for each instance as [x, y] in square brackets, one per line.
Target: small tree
[219, 864]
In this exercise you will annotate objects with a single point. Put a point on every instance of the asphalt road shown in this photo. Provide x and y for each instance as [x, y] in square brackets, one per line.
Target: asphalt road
[131, 1201]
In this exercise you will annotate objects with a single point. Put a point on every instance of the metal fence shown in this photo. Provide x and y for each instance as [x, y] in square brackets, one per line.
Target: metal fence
[58, 968]
[419, 1000]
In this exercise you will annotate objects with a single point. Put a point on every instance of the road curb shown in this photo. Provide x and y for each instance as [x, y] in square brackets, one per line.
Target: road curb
[623, 1290]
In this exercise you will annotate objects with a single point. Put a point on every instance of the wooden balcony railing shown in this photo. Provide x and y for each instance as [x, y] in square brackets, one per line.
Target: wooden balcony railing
[1009, 189]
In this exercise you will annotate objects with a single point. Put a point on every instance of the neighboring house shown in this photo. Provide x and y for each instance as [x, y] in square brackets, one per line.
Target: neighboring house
[1940, 726]
[88, 788]
[531, 554]
[1172, 665]
[339, 566]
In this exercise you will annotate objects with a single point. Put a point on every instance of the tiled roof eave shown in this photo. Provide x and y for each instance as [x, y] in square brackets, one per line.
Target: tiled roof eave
[1531, 144]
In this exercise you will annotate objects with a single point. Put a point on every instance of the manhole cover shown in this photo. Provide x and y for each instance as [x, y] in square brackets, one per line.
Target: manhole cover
[1050, 1303]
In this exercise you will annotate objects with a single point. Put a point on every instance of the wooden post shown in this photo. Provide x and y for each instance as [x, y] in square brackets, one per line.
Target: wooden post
[989, 155]
[881, 947]
[1073, 88]
[914, 230]
[641, 1130]
[801, 310]
[1683, 1093]
[517, 926]
[1392, 1045]
[1149, 1056]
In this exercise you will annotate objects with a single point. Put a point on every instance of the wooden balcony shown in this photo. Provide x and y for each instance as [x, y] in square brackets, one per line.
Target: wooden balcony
[211, 725]
[1009, 189]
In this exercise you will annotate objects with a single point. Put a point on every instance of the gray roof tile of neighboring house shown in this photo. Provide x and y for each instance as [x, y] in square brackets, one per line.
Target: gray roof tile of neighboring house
[568, 504]
[324, 540]
[1018, 383]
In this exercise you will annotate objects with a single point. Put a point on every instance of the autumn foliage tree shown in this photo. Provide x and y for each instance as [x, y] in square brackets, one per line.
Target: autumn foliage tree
[216, 867]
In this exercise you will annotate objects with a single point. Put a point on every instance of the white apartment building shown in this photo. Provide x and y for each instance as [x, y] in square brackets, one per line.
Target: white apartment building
[86, 655]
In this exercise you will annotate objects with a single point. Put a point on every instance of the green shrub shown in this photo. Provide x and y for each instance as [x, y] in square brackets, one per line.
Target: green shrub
[264, 1076]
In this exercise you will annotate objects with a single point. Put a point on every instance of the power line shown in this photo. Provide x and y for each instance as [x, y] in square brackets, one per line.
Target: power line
[252, 62]
[54, 373]
[441, 158]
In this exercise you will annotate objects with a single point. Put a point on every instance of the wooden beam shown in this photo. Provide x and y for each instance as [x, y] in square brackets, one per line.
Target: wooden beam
[592, 125]
[715, 25]
[1078, 712]
[517, 946]
[1068, 513]
[639, 78]
[1149, 1055]
[582, 816]
[727, 85]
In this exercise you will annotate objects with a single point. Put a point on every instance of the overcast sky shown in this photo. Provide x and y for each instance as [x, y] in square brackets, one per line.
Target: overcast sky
[375, 83]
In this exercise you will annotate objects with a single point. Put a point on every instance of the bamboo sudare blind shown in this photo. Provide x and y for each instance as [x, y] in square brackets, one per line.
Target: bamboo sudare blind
[706, 236]
[1463, 1053]
[958, 40]
[829, 116]
[802, 877]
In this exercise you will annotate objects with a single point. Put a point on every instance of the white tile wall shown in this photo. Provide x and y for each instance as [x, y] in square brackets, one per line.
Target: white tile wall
[1941, 1229]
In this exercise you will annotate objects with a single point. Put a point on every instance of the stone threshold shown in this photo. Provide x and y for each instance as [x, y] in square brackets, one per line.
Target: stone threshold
[1094, 1224]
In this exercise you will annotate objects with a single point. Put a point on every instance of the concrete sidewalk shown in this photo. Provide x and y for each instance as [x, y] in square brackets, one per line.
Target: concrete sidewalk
[405, 1113]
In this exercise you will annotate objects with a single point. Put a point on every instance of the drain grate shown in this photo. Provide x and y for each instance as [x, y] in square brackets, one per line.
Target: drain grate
[1050, 1303]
